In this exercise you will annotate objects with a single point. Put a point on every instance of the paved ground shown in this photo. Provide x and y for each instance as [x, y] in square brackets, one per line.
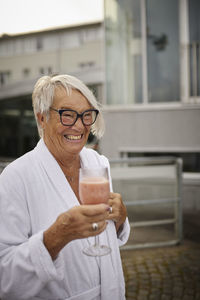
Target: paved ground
[167, 273]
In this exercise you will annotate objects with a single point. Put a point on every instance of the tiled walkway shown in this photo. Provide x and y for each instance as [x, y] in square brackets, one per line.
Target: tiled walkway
[168, 273]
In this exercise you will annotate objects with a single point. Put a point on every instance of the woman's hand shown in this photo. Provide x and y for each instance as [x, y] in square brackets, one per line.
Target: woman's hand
[118, 211]
[73, 224]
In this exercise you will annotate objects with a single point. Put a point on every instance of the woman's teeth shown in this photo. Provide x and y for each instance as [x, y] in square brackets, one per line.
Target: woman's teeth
[73, 137]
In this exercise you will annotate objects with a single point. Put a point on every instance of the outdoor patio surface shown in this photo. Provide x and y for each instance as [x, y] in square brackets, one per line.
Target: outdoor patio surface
[167, 273]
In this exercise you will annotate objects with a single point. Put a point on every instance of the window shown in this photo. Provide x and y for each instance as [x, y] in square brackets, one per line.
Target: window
[26, 72]
[162, 50]
[97, 91]
[123, 38]
[39, 43]
[16, 116]
[86, 65]
[91, 34]
[70, 40]
[142, 51]
[6, 48]
[29, 44]
[45, 70]
[4, 77]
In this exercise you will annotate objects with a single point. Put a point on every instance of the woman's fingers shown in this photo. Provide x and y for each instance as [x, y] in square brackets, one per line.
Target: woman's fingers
[117, 209]
[96, 228]
[76, 223]
[78, 220]
[94, 210]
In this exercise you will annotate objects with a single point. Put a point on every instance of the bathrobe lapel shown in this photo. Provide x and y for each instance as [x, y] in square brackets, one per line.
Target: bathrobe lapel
[56, 175]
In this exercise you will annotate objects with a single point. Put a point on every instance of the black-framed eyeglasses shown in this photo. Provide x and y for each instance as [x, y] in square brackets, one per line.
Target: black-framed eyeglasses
[68, 117]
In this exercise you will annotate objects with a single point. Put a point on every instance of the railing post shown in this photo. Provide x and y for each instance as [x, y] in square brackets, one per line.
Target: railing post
[179, 218]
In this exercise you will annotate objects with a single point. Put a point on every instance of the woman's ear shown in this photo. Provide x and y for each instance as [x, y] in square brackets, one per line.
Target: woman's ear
[41, 119]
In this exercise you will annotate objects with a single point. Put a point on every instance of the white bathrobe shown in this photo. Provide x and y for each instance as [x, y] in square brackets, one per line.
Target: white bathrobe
[33, 192]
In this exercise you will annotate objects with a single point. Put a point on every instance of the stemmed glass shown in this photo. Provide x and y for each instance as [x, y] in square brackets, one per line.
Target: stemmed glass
[94, 189]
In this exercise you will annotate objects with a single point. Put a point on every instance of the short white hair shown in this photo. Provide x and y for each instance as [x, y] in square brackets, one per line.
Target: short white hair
[43, 95]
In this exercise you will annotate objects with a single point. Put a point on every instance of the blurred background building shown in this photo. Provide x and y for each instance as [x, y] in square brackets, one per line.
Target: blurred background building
[153, 78]
[153, 83]
[142, 62]
[76, 50]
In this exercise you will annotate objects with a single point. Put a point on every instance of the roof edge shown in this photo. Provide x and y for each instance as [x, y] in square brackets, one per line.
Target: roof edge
[50, 29]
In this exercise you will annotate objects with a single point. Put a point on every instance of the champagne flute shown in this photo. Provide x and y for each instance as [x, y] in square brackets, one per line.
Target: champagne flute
[94, 188]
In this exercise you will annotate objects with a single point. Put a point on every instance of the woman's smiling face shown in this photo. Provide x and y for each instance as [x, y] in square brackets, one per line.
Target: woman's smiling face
[62, 140]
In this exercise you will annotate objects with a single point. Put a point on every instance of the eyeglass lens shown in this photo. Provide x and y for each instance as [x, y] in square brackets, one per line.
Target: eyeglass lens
[69, 117]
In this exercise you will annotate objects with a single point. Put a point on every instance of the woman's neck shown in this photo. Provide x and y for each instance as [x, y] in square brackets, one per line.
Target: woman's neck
[66, 160]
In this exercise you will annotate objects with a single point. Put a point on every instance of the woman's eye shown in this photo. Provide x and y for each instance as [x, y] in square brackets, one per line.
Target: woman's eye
[67, 115]
[87, 115]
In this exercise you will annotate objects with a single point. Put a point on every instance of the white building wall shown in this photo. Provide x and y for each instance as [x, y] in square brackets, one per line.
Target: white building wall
[152, 130]
[71, 50]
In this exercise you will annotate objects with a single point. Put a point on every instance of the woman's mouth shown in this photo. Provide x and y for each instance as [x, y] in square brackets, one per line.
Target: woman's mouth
[73, 137]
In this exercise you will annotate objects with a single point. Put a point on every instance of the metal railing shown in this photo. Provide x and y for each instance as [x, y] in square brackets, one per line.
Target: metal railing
[133, 176]
[3, 164]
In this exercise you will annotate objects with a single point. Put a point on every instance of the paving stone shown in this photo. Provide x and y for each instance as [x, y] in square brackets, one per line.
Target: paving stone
[177, 292]
[186, 297]
[165, 297]
[154, 297]
[168, 273]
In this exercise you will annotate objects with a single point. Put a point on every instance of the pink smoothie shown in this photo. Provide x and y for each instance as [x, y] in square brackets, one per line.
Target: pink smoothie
[94, 190]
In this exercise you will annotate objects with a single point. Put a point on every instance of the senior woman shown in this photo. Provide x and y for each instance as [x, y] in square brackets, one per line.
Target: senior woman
[43, 226]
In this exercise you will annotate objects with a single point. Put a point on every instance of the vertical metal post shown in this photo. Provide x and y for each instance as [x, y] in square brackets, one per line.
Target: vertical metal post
[185, 51]
[179, 221]
[194, 68]
[144, 52]
[189, 72]
[198, 69]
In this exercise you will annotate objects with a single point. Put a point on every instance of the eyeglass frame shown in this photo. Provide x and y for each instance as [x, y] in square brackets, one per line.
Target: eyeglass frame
[60, 111]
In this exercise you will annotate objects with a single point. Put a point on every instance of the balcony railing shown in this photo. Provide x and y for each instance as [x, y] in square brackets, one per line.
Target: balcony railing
[152, 191]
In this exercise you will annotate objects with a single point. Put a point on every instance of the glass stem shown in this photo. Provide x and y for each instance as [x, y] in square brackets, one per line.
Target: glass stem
[96, 240]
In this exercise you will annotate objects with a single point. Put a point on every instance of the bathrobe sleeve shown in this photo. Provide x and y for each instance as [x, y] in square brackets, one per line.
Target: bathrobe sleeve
[25, 264]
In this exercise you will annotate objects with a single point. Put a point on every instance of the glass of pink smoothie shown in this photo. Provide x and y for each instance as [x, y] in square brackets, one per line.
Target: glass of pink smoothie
[94, 188]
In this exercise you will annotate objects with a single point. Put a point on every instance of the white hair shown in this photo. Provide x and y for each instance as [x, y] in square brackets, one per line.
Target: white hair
[43, 95]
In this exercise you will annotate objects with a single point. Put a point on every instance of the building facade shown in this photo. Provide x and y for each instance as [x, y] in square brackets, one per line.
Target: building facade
[142, 62]
[152, 51]
[76, 50]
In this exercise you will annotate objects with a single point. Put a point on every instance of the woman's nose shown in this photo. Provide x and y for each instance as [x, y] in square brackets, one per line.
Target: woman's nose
[79, 123]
